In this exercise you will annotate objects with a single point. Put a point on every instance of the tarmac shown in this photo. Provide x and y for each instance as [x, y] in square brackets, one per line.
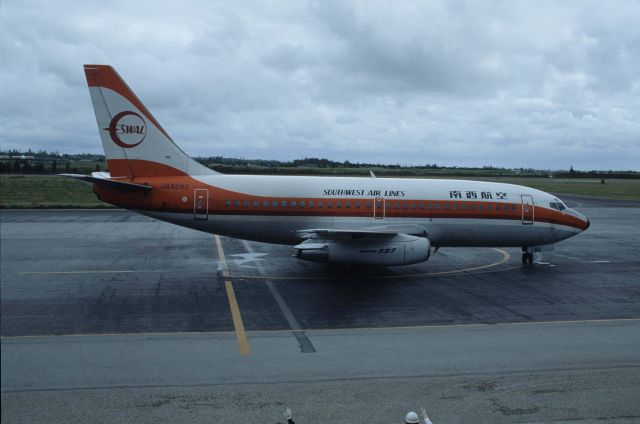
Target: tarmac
[112, 316]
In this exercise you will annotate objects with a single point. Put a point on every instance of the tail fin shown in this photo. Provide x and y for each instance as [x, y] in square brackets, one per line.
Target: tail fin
[134, 142]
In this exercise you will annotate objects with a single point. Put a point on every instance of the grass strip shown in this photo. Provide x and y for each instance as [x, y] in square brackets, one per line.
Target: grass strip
[52, 191]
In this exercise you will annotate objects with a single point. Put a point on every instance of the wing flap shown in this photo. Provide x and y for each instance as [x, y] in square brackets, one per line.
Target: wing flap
[371, 232]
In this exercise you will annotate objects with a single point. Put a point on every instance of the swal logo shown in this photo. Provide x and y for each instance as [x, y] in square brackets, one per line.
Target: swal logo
[127, 129]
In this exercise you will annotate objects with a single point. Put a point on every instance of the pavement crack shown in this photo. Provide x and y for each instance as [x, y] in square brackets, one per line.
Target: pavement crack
[507, 412]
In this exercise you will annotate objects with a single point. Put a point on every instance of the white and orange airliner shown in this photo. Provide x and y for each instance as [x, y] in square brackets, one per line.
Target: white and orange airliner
[360, 220]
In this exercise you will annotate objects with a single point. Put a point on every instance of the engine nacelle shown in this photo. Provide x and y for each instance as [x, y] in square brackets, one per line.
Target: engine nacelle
[400, 249]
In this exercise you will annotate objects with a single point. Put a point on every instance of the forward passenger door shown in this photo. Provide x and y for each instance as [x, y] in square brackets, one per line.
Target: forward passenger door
[527, 209]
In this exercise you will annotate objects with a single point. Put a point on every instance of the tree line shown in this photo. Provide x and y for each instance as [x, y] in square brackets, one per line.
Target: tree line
[43, 162]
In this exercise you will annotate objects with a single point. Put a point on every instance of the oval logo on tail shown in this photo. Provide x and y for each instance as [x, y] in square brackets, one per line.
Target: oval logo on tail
[127, 129]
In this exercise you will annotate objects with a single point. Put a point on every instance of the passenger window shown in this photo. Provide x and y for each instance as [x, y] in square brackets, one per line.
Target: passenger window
[320, 205]
[338, 205]
[329, 205]
[265, 204]
[421, 205]
[302, 203]
[446, 206]
[405, 206]
[236, 203]
[437, 205]
[348, 204]
[357, 205]
[227, 203]
[245, 203]
[293, 203]
[513, 207]
[413, 206]
[311, 204]
[283, 203]
[256, 204]
[368, 205]
[274, 204]
[472, 206]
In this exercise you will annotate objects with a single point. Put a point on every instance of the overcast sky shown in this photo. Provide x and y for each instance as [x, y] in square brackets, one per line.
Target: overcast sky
[516, 84]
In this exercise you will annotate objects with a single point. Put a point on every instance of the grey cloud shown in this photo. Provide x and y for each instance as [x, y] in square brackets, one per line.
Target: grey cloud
[540, 84]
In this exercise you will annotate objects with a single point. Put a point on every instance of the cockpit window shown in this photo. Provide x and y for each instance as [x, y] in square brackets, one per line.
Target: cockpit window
[559, 206]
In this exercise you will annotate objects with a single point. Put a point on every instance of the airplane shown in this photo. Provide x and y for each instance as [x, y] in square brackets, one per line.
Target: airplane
[348, 220]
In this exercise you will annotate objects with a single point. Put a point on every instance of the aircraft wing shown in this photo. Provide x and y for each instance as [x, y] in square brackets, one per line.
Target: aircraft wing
[99, 179]
[378, 232]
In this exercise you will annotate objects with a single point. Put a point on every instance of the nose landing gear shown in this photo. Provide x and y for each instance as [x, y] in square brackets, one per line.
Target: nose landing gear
[527, 255]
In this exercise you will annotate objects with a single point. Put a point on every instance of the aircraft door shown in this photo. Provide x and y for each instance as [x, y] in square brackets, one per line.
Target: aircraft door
[527, 209]
[378, 208]
[201, 204]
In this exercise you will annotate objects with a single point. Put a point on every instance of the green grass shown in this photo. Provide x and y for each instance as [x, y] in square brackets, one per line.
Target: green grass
[623, 189]
[46, 191]
[50, 191]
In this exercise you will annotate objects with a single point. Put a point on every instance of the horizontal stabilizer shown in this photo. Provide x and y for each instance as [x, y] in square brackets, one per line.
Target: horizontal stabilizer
[121, 185]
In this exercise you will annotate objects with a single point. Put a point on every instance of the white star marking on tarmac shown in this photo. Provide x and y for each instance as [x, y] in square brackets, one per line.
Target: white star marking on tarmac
[246, 257]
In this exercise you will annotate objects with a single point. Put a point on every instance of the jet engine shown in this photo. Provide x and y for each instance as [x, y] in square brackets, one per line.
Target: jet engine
[397, 249]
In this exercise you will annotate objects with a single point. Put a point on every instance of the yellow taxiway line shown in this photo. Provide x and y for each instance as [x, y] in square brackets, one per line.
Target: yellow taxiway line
[505, 257]
[225, 270]
[241, 335]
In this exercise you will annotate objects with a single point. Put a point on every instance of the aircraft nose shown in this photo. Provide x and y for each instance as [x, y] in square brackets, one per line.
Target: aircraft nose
[584, 221]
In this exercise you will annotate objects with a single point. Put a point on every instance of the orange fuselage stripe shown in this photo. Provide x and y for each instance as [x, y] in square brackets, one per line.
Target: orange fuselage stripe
[169, 192]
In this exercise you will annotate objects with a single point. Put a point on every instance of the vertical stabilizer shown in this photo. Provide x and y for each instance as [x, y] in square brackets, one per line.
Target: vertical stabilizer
[134, 143]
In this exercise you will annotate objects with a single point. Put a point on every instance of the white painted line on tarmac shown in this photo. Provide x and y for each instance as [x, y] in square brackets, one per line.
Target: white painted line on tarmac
[303, 341]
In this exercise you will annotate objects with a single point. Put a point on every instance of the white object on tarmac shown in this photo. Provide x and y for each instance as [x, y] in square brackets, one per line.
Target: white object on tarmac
[412, 418]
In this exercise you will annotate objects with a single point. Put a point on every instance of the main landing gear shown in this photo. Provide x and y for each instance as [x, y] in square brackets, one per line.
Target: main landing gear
[527, 257]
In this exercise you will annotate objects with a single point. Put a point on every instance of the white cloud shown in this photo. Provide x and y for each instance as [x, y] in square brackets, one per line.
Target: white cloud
[533, 84]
